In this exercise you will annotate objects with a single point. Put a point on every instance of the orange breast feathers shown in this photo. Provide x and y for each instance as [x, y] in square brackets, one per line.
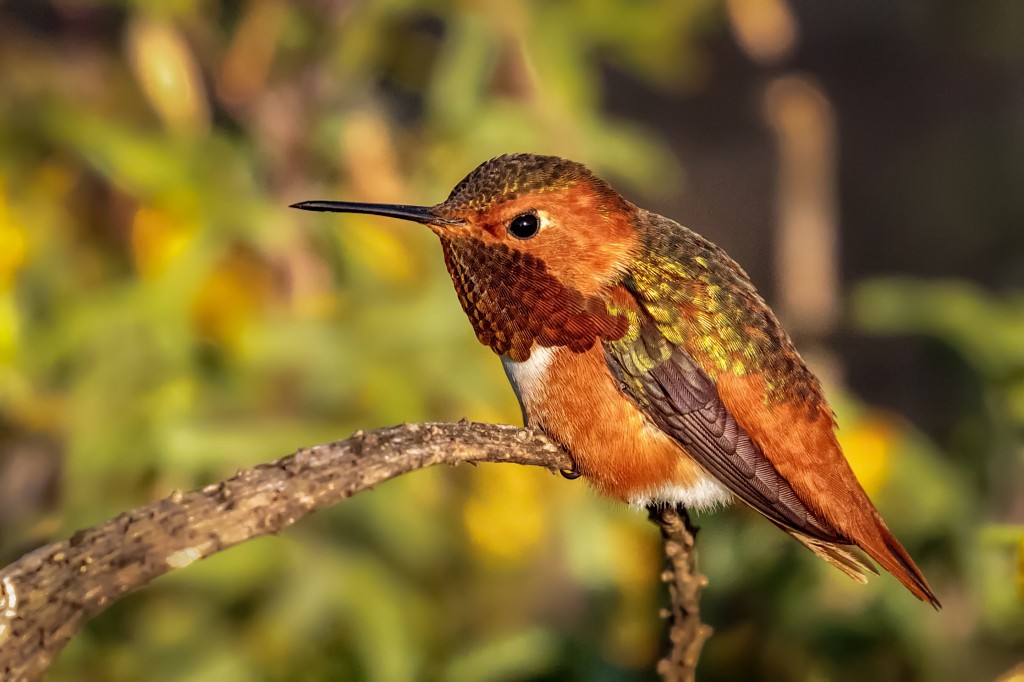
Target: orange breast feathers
[576, 400]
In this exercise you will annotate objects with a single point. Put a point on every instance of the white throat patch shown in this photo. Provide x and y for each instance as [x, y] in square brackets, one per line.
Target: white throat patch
[527, 377]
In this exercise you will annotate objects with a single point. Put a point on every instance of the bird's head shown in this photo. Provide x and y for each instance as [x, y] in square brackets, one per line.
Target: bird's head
[532, 243]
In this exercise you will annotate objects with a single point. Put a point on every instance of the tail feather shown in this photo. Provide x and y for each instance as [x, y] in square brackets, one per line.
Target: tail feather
[884, 548]
[808, 457]
[846, 558]
[889, 553]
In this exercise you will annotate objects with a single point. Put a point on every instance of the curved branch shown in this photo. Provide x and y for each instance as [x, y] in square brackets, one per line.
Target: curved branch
[48, 595]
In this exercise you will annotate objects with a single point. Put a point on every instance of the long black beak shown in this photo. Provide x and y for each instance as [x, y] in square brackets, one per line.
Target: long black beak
[417, 214]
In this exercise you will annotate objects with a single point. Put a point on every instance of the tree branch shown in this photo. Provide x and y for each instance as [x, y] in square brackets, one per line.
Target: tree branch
[686, 633]
[48, 595]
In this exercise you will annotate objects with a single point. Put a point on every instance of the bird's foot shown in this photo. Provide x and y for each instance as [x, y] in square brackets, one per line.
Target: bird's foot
[573, 473]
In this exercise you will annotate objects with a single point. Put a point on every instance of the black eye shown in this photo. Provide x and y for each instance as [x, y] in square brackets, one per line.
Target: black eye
[524, 226]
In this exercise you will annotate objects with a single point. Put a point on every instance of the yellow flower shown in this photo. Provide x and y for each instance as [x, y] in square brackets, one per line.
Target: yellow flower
[13, 248]
[506, 516]
[238, 290]
[869, 446]
[10, 327]
[157, 239]
[12, 243]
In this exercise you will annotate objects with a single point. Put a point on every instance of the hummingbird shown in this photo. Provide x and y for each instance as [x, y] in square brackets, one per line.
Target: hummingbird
[645, 351]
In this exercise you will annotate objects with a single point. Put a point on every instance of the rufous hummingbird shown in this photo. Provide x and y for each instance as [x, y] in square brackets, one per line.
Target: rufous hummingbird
[645, 351]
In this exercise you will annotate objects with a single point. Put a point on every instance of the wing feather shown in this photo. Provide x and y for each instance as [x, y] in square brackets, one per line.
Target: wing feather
[681, 399]
[708, 362]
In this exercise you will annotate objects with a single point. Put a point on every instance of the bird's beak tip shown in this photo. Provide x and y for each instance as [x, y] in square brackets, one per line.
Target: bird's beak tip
[419, 214]
[305, 205]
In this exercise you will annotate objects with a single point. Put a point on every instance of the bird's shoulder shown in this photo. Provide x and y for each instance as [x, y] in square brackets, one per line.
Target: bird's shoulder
[683, 292]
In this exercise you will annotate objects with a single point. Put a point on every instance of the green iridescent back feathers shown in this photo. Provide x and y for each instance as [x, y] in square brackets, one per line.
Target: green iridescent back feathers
[703, 302]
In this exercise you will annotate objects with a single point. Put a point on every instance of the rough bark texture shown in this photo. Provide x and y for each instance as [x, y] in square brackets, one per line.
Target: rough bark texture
[48, 595]
[686, 633]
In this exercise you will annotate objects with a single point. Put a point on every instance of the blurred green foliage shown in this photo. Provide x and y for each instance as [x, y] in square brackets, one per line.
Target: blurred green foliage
[987, 446]
[164, 320]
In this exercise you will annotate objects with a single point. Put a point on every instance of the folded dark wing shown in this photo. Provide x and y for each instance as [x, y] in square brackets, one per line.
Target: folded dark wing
[681, 399]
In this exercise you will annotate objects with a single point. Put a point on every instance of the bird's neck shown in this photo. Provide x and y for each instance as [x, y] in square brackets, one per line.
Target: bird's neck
[514, 302]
